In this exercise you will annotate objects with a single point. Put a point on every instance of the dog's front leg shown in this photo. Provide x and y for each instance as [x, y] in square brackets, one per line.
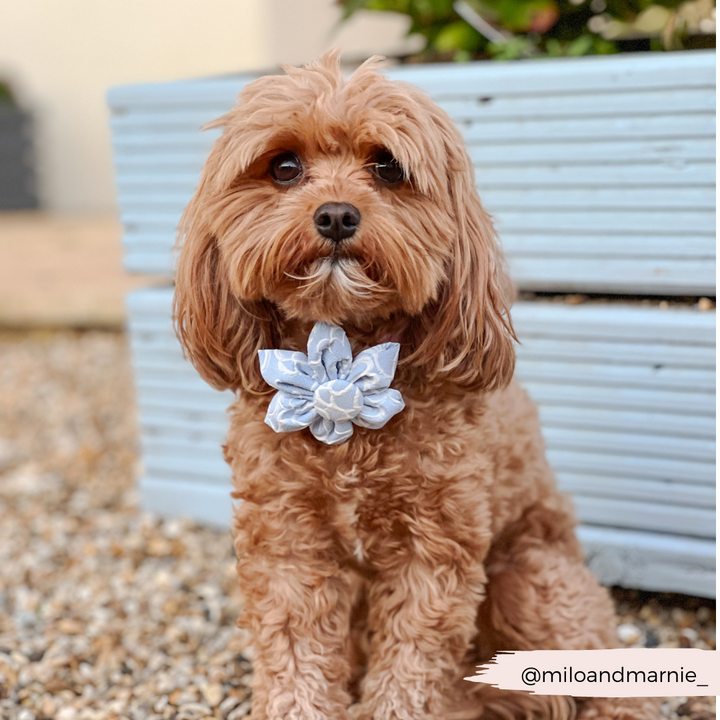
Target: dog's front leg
[422, 615]
[297, 603]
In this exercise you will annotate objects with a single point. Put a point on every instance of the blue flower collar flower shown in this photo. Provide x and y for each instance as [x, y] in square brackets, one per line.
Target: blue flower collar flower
[326, 390]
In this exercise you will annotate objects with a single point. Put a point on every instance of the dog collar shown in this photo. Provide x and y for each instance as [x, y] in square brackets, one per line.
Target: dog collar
[326, 390]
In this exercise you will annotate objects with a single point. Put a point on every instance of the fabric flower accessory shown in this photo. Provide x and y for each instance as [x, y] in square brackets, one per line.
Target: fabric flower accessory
[326, 390]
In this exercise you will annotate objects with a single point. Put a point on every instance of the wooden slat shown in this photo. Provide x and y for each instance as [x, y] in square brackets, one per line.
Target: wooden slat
[544, 244]
[606, 152]
[618, 376]
[640, 71]
[625, 222]
[190, 400]
[183, 94]
[698, 522]
[650, 561]
[599, 198]
[600, 322]
[593, 104]
[179, 168]
[189, 410]
[139, 142]
[645, 175]
[661, 277]
[641, 127]
[164, 199]
[567, 395]
[626, 443]
[167, 430]
[180, 378]
[662, 469]
[656, 424]
[156, 177]
[623, 351]
[204, 503]
[150, 303]
[177, 448]
[149, 263]
[162, 422]
[161, 120]
[210, 469]
[673, 494]
[138, 218]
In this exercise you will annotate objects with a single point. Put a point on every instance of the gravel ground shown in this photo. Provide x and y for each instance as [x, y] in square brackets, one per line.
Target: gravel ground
[109, 613]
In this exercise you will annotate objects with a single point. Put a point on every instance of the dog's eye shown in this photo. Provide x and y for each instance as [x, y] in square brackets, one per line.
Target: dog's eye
[286, 168]
[387, 168]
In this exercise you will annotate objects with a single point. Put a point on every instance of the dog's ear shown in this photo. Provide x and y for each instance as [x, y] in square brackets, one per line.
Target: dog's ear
[466, 336]
[220, 333]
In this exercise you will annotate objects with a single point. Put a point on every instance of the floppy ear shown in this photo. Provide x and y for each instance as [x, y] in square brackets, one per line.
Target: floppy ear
[220, 333]
[466, 336]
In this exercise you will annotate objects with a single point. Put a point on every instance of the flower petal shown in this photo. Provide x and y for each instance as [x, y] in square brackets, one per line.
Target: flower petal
[373, 369]
[329, 352]
[289, 412]
[287, 370]
[378, 408]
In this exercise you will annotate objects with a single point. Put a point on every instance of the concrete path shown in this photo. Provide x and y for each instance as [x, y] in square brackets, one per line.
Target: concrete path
[63, 271]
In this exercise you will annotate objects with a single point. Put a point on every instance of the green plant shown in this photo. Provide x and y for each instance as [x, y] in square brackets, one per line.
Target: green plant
[509, 29]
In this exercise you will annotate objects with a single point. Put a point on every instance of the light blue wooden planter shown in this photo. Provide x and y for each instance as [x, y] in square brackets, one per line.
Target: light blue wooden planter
[600, 173]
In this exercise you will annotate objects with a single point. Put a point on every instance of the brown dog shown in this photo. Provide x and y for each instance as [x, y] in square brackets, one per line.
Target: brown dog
[379, 570]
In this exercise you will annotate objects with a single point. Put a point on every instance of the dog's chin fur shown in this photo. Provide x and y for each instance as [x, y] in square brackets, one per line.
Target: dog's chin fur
[379, 570]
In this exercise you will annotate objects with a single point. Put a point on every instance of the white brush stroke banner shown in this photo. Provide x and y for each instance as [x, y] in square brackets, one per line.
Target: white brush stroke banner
[626, 672]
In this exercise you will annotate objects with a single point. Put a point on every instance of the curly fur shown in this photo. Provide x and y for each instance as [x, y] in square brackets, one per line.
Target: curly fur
[375, 573]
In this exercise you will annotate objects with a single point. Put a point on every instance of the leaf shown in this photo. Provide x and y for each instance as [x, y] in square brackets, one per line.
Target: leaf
[458, 36]
[513, 49]
[580, 46]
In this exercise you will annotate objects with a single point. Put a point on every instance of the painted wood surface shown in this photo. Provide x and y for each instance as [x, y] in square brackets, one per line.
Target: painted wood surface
[626, 398]
[600, 171]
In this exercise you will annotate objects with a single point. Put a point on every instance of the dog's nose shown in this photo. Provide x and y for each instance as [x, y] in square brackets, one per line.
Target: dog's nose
[337, 221]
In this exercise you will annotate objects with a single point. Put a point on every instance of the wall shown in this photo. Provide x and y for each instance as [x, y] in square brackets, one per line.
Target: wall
[61, 57]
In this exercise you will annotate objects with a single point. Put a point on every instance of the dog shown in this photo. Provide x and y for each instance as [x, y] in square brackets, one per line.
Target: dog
[377, 572]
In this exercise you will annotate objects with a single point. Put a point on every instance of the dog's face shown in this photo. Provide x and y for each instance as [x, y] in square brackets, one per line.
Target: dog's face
[343, 201]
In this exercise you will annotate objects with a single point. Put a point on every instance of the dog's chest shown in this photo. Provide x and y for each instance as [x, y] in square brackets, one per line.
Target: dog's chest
[347, 521]
[351, 494]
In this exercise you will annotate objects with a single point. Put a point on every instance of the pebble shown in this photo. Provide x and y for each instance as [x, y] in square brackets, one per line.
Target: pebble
[629, 633]
[213, 694]
[107, 612]
[705, 304]
[240, 711]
